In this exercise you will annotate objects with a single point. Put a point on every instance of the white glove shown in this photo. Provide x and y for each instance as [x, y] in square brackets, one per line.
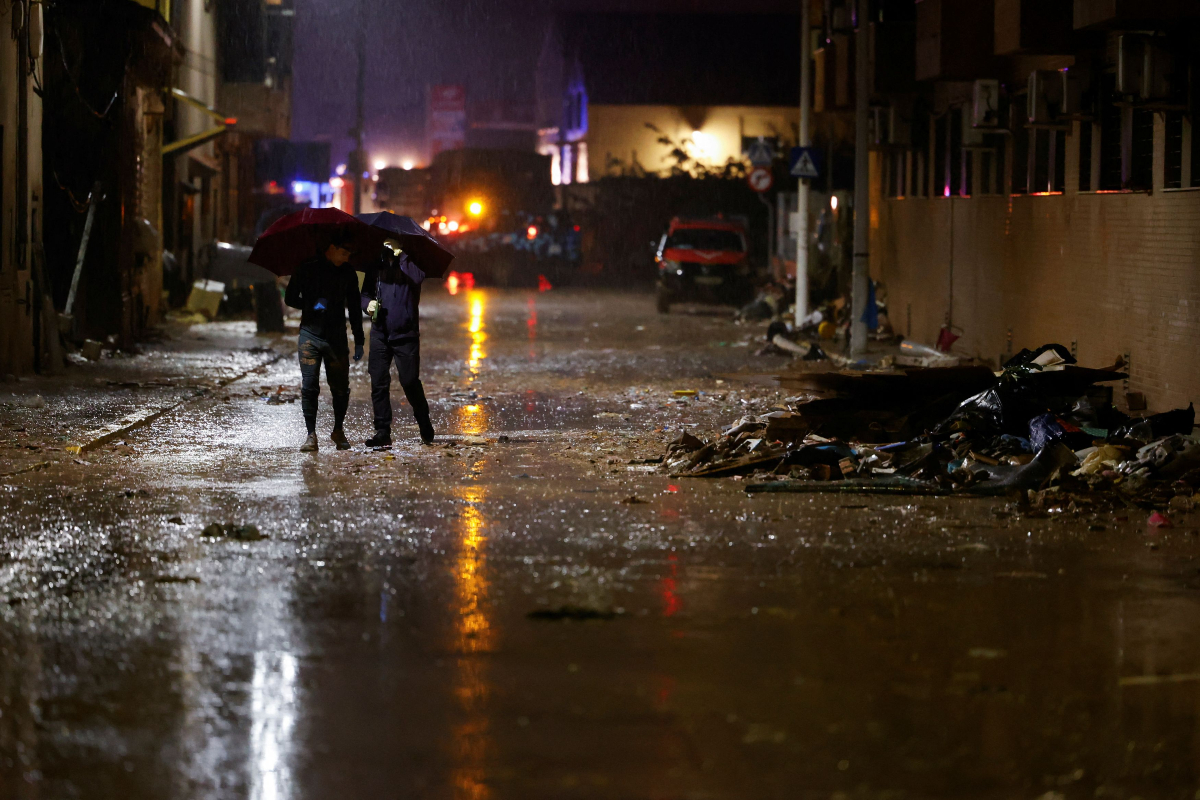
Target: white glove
[372, 307]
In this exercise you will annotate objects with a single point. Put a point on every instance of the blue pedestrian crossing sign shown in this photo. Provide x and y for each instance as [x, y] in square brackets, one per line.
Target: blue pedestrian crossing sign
[805, 162]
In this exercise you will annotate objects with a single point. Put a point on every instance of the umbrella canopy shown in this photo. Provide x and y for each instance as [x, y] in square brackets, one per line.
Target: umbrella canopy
[294, 239]
[414, 240]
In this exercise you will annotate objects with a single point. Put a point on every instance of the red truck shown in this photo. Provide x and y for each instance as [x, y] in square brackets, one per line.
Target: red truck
[705, 261]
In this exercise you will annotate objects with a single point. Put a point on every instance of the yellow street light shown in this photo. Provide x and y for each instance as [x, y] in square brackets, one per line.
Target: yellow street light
[475, 208]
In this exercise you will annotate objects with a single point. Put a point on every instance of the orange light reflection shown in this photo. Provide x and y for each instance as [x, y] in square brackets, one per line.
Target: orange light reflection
[473, 636]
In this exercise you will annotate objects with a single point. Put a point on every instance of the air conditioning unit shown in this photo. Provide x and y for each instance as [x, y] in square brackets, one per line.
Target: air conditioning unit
[971, 135]
[1074, 84]
[1131, 62]
[985, 108]
[1157, 65]
[1144, 66]
[1044, 100]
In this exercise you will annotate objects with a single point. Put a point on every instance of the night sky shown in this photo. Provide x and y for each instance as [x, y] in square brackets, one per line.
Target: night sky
[490, 46]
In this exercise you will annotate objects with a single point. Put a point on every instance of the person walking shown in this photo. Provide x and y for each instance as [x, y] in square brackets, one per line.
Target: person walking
[324, 288]
[391, 296]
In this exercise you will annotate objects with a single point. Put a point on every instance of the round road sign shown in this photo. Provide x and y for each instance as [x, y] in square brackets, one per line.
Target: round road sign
[760, 179]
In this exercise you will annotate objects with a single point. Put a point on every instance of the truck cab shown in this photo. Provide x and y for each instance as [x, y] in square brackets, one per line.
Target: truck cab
[703, 261]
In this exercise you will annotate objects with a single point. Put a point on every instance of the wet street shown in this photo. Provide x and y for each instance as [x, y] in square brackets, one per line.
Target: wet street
[528, 609]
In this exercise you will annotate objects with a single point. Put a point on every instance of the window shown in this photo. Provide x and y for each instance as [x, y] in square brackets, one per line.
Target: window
[1021, 137]
[1141, 149]
[957, 175]
[1111, 165]
[941, 167]
[705, 239]
[1174, 150]
[1039, 176]
[1085, 156]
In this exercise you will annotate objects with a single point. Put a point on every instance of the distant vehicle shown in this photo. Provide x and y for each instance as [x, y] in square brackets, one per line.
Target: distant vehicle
[705, 261]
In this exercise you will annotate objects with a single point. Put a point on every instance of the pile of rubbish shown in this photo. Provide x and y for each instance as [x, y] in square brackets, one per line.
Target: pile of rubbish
[1042, 421]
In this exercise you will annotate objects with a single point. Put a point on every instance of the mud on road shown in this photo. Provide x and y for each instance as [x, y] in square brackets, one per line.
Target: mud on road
[530, 608]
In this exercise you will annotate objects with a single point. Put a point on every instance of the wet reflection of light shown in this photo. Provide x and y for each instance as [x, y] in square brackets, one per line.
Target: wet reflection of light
[531, 323]
[478, 336]
[272, 718]
[473, 420]
[668, 590]
[473, 636]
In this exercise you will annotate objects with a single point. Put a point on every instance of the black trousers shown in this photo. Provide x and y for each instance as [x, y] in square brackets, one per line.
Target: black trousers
[313, 350]
[407, 356]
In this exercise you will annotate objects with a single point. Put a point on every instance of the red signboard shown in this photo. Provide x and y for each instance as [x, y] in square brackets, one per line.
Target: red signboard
[446, 125]
[760, 179]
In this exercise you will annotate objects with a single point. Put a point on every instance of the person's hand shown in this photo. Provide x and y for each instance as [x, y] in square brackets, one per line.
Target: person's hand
[372, 307]
[358, 350]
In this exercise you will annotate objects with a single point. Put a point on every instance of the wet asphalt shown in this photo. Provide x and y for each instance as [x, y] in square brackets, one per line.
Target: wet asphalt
[399, 631]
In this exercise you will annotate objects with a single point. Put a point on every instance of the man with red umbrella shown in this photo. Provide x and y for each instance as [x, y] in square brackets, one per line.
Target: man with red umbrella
[323, 288]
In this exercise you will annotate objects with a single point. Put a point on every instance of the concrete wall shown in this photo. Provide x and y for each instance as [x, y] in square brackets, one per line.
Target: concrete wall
[620, 132]
[17, 286]
[1118, 273]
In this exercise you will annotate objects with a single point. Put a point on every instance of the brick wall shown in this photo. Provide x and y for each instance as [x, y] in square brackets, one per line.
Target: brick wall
[1118, 273]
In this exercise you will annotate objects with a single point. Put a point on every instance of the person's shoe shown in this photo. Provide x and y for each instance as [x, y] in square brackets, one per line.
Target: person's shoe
[382, 438]
[426, 430]
[339, 438]
[310, 444]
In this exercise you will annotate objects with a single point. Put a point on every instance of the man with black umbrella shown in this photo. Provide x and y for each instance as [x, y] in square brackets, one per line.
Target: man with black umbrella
[391, 295]
[324, 288]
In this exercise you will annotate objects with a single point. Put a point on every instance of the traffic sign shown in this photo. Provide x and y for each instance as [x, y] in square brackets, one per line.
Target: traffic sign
[760, 153]
[805, 162]
[760, 179]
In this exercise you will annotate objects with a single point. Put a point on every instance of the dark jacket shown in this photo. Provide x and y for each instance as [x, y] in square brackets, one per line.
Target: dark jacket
[335, 288]
[395, 281]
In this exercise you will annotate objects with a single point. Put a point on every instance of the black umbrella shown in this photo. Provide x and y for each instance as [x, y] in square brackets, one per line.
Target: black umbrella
[431, 257]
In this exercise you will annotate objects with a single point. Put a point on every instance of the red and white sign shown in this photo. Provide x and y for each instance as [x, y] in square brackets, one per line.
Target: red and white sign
[760, 179]
[447, 121]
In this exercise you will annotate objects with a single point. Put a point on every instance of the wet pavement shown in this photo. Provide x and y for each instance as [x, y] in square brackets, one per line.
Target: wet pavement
[523, 610]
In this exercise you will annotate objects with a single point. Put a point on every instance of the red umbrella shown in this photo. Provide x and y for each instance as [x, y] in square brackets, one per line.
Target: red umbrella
[306, 233]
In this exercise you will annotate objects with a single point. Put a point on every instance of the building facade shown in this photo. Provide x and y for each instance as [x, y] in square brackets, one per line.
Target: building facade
[1040, 184]
[24, 324]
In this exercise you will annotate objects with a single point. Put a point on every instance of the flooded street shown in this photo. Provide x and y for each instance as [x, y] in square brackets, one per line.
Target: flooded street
[527, 609]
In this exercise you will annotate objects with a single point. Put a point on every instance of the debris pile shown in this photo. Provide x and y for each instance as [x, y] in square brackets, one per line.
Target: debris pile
[1042, 421]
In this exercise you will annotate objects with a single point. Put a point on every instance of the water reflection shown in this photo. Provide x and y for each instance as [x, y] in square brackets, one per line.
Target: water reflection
[531, 322]
[477, 301]
[473, 419]
[272, 719]
[473, 637]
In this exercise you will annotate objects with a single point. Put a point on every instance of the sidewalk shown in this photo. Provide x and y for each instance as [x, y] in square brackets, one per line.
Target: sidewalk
[46, 419]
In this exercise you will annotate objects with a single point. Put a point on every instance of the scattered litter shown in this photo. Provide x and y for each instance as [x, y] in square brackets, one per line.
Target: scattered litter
[30, 401]
[23, 470]
[985, 652]
[91, 350]
[1159, 520]
[242, 533]
[572, 613]
[685, 392]
[1042, 423]
[176, 520]
[1153, 680]
[633, 499]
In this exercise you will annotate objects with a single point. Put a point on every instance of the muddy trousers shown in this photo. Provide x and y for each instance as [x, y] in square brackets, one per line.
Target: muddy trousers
[407, 356]
[336, 356]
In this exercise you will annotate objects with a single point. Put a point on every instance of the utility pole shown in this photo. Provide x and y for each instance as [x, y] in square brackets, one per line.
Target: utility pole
[862, 182]
[805, 141]
[358, 158]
